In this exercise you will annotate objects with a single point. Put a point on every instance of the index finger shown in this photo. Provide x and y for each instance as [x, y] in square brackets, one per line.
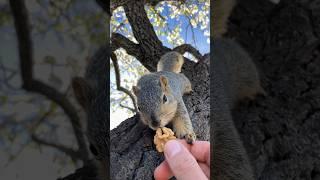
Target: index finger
[199, 149]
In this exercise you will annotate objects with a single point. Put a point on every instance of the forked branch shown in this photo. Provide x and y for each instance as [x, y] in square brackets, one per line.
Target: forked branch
[118, 80]
[25, 45]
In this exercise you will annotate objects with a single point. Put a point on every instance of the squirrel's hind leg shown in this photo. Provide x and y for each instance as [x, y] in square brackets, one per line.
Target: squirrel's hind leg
[187, 89]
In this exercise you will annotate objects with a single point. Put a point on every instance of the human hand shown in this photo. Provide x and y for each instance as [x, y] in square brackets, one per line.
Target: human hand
[185, 161]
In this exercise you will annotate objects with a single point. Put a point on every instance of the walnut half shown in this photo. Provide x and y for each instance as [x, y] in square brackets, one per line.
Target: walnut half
[162, 136]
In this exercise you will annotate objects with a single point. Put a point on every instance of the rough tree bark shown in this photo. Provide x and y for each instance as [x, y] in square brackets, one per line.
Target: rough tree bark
[281, 132]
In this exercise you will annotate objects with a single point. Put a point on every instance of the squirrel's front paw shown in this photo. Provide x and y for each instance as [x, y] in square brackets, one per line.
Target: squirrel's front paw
[189, 136]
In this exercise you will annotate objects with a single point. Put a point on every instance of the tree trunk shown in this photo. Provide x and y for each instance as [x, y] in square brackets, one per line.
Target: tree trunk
[281, 132]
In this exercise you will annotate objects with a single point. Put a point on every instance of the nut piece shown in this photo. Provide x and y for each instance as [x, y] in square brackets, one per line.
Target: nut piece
[162, 136]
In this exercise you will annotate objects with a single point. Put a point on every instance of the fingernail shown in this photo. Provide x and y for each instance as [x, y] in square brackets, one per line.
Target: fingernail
[172, 148]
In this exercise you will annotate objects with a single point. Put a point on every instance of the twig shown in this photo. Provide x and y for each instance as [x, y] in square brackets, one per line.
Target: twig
[75, 155]
[127, 107]
[118, 81]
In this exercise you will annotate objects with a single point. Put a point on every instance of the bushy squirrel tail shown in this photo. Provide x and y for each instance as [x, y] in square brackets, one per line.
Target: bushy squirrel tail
[171, 61]
[221, 12]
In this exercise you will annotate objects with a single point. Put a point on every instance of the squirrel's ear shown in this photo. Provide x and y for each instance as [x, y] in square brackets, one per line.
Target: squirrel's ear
[164, 83]
[135, 90]
[82, 91]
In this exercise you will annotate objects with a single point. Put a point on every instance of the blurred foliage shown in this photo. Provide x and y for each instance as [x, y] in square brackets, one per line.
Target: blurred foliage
[77, 27]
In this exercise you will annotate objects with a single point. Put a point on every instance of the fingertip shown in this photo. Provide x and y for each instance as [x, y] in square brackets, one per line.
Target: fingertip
[162, 172]
[157, 173]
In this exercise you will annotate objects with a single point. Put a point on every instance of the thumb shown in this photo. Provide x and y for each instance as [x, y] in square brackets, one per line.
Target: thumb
[182, 164]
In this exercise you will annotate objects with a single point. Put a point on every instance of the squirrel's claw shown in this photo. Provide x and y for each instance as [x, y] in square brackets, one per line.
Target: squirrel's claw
[190, 138]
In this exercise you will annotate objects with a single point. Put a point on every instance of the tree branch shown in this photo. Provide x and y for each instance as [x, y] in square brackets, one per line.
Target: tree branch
[68, 151]
[34, 125]
[120, 41]
[118, 81]
[150, 45]
[189, 48]
[22, 26]
[6, 78]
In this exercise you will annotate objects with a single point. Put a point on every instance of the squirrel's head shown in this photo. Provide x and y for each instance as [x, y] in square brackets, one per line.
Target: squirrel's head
[156, 104]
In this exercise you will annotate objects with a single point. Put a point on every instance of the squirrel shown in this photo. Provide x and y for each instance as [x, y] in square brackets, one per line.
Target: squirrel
[90, 92]
[234, 77]
[159, 97]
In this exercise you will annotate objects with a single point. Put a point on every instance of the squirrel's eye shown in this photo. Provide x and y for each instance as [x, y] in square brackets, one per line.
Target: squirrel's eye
[164, 99]
[139, 108]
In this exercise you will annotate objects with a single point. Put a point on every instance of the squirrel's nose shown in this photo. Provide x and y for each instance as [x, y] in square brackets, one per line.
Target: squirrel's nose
[154, 121]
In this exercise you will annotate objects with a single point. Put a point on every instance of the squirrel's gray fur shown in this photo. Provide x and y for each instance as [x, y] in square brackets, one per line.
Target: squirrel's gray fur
[240, 76]
[229, 160]
[159, 97]
[149, 84]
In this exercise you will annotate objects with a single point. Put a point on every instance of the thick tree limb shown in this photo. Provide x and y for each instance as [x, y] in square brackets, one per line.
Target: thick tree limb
[120, 41]
[118, 81]
[151, 47]
[25, 45]
[189, 48]
[68, 151]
